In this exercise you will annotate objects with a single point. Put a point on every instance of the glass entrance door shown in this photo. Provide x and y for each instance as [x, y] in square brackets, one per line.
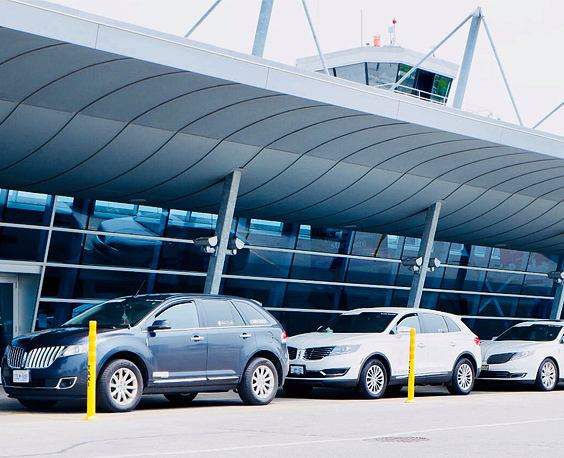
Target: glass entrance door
[7, 314]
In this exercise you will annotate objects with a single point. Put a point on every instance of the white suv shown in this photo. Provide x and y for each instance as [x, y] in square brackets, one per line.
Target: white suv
[368, 349]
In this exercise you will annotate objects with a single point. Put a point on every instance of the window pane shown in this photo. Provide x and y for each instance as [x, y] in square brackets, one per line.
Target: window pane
[379, 73]
[181, 316]
[28, 208]
[433, 323]
[299, 322]
[72, 213]
[412, 322]
[355, 72]
[220, 314]
[315, 238]
[253, 316]
[22, 244]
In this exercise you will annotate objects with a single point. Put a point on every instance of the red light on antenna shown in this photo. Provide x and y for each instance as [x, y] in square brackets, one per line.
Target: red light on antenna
[394, 21]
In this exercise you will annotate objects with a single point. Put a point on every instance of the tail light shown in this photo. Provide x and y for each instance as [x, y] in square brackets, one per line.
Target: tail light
[283, 337]
[477, 341]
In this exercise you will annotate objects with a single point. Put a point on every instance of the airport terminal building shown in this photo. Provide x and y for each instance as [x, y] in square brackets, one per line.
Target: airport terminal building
[121, 148]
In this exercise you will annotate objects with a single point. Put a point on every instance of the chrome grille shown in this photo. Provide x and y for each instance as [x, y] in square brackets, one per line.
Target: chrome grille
[292, 352]
[16, 357]
[500, 358]
[317, 352]
[40, 358]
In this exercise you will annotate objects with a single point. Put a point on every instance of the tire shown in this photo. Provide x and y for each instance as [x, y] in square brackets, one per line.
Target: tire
[36, 404]
[463, 378]
[547, 376]
[119, 387]
[373, 380]
[297, 391]
[259, 383]
[181, 399]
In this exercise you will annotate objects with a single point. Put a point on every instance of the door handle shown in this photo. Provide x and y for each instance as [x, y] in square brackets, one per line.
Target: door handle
[196, 338]
[245, 335]
[452, 344]
[420, 345]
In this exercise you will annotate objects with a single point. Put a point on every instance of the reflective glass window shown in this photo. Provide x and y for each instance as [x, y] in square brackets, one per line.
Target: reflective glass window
[106, 211]
[469, 255]
[354, 72]
[409, 82]
[220, 314]
[312, 296]
[107, 284]
[299, 322]
[268, 293]
[537, 285]
[456, 303]
[542, 263]
[181, 316]
[433, 323]
[377, 245]
[508, 259]
[114, 250]
[253, 316]
[72, 212]
[265, 233]
[260, 263]
[462, 279]
[315, 238]
[28, 208]
[22, 244]
[452, 326]
[381, 73]
[354, 297]
[52, 315]
[441, 88]
[190, 225]
[410, 321]
[501, 282]
[66, 247]
[166, 283]
[487, 329]
[314, 267]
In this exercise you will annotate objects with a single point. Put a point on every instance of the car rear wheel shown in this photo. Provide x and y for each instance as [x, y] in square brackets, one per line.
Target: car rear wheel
[373, 380]
[119, 387]
[259, 382]
[297, 391]
[547, 376]
[36, 404]
[463, 378]
[181, 399]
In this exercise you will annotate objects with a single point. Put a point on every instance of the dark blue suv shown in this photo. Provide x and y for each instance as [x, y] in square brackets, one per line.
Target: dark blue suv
[171, 344]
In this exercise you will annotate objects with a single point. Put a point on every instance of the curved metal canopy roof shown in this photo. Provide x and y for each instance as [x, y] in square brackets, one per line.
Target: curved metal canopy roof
[99, 109]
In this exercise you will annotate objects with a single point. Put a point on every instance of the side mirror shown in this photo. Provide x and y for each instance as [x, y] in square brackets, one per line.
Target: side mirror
[159, 325]
[404, 330]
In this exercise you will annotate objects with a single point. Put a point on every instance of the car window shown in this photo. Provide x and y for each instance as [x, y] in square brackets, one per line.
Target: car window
[433, 323]
[452, 326]
[359, 322]
[181, 316]
[219, 314]
[409, 321]
[535, 333]
[254, 317]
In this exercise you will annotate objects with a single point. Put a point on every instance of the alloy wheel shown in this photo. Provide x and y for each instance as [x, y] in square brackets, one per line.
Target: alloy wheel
[548, 375]
[464, 376]
[375, 379]
[123, 386]
[263, 381]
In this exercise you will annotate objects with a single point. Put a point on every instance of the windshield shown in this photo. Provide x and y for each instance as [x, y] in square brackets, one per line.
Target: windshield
[359, 322]
[116, 313]
[535, 333]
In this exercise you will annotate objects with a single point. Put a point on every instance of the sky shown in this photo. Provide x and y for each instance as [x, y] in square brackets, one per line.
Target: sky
[528, 36]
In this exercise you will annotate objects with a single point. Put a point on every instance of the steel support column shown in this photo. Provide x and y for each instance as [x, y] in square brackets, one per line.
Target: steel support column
[556, 311]
[425, 252]
[467, 59]
[222, 231]
[262, 27]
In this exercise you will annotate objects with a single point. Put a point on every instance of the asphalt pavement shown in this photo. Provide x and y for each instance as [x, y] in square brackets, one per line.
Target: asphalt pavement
[500, 421]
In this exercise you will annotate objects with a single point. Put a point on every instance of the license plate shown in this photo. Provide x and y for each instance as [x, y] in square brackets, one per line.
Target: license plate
[20, 376]
[485, 367]
[297, 370]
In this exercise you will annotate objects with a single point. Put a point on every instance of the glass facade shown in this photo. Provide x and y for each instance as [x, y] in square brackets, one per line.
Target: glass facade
[421, 83]
[305, 275]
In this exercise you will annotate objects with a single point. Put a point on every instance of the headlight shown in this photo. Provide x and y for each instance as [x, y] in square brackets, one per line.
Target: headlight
[74, 350]
[522, 354]
[344, 349]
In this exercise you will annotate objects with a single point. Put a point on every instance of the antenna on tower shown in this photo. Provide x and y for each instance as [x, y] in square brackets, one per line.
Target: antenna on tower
[392, 32]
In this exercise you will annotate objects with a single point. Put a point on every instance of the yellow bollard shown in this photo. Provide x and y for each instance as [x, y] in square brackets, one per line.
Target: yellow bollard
[411, 380]
[91, 387]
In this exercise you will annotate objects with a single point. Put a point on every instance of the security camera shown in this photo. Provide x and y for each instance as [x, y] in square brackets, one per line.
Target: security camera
[207, 244]
[558, 277]
[413, 264]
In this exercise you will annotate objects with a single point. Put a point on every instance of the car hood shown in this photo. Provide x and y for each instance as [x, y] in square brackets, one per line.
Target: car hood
[494, 347]
[326, 339]
[55, 337]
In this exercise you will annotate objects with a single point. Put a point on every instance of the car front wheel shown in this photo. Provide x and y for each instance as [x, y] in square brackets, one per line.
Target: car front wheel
[119, 387]
[259, 383]
[373, 380]
[463, 378]
[547, 376]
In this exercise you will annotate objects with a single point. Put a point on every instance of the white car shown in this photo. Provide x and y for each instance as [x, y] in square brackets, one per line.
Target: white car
[368, 349]
[532, 351]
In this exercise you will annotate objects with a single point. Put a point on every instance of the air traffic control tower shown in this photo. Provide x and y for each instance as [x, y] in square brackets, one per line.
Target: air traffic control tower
[382, 67]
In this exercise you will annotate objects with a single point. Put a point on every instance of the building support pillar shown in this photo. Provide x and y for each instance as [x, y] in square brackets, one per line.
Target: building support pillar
[556, 311]
[425, 250]
[222, 231]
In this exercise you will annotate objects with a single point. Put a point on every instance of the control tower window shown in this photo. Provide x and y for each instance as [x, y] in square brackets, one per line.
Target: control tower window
[441, 87]
[355, 72]
[409, 82]
[382, 74]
